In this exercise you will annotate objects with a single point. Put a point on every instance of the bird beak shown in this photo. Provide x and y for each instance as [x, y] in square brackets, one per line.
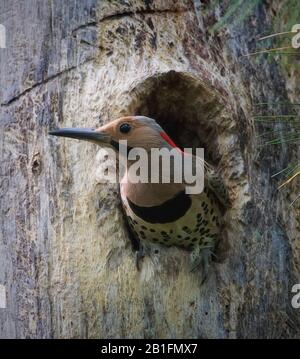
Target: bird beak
[86, 134]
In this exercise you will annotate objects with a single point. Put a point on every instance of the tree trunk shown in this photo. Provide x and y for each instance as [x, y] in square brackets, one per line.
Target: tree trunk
[66, 261]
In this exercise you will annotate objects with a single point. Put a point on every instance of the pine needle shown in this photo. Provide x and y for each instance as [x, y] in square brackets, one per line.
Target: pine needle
[276, 103]
[289, 169]
[278, 141]
[268, 133]
[285, 53]
[273, 35]
[289, 179]
[267, 51]
[275, 116]
[294, 200]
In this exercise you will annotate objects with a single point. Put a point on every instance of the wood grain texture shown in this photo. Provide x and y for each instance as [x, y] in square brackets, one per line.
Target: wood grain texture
[65, 256]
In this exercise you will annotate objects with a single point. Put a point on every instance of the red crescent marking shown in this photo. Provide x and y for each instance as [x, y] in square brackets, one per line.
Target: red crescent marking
[170, 142]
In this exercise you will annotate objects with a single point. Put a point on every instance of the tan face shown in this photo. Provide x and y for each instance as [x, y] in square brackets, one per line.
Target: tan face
[134, 131]
[138, 131]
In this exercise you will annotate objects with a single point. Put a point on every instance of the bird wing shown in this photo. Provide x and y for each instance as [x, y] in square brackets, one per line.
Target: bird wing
[216, 184]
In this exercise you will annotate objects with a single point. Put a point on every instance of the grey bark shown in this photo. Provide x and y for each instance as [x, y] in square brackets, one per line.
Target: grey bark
[65, 257]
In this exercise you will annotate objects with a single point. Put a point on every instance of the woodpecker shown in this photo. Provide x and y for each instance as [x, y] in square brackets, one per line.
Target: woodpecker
[162, 213]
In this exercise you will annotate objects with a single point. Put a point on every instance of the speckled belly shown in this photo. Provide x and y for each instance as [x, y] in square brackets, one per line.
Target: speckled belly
[198, 226]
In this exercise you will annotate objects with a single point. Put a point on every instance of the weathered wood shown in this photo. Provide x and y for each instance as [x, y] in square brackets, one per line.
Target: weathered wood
[65, 257]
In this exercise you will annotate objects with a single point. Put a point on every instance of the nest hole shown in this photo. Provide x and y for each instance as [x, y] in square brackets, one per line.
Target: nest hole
[186, 109]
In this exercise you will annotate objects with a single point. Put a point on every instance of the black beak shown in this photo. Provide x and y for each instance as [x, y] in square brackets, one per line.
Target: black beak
[82, 134]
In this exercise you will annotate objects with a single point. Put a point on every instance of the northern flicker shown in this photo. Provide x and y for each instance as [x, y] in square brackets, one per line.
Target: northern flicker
[162, 213]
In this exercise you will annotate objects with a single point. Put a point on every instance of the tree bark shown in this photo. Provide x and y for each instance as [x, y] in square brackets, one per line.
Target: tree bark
[65, 257]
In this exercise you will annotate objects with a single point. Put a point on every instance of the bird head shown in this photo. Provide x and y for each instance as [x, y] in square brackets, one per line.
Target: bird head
[138, 131]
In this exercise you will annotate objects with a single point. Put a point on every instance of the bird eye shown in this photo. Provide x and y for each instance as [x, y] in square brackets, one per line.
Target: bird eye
[125, 128]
